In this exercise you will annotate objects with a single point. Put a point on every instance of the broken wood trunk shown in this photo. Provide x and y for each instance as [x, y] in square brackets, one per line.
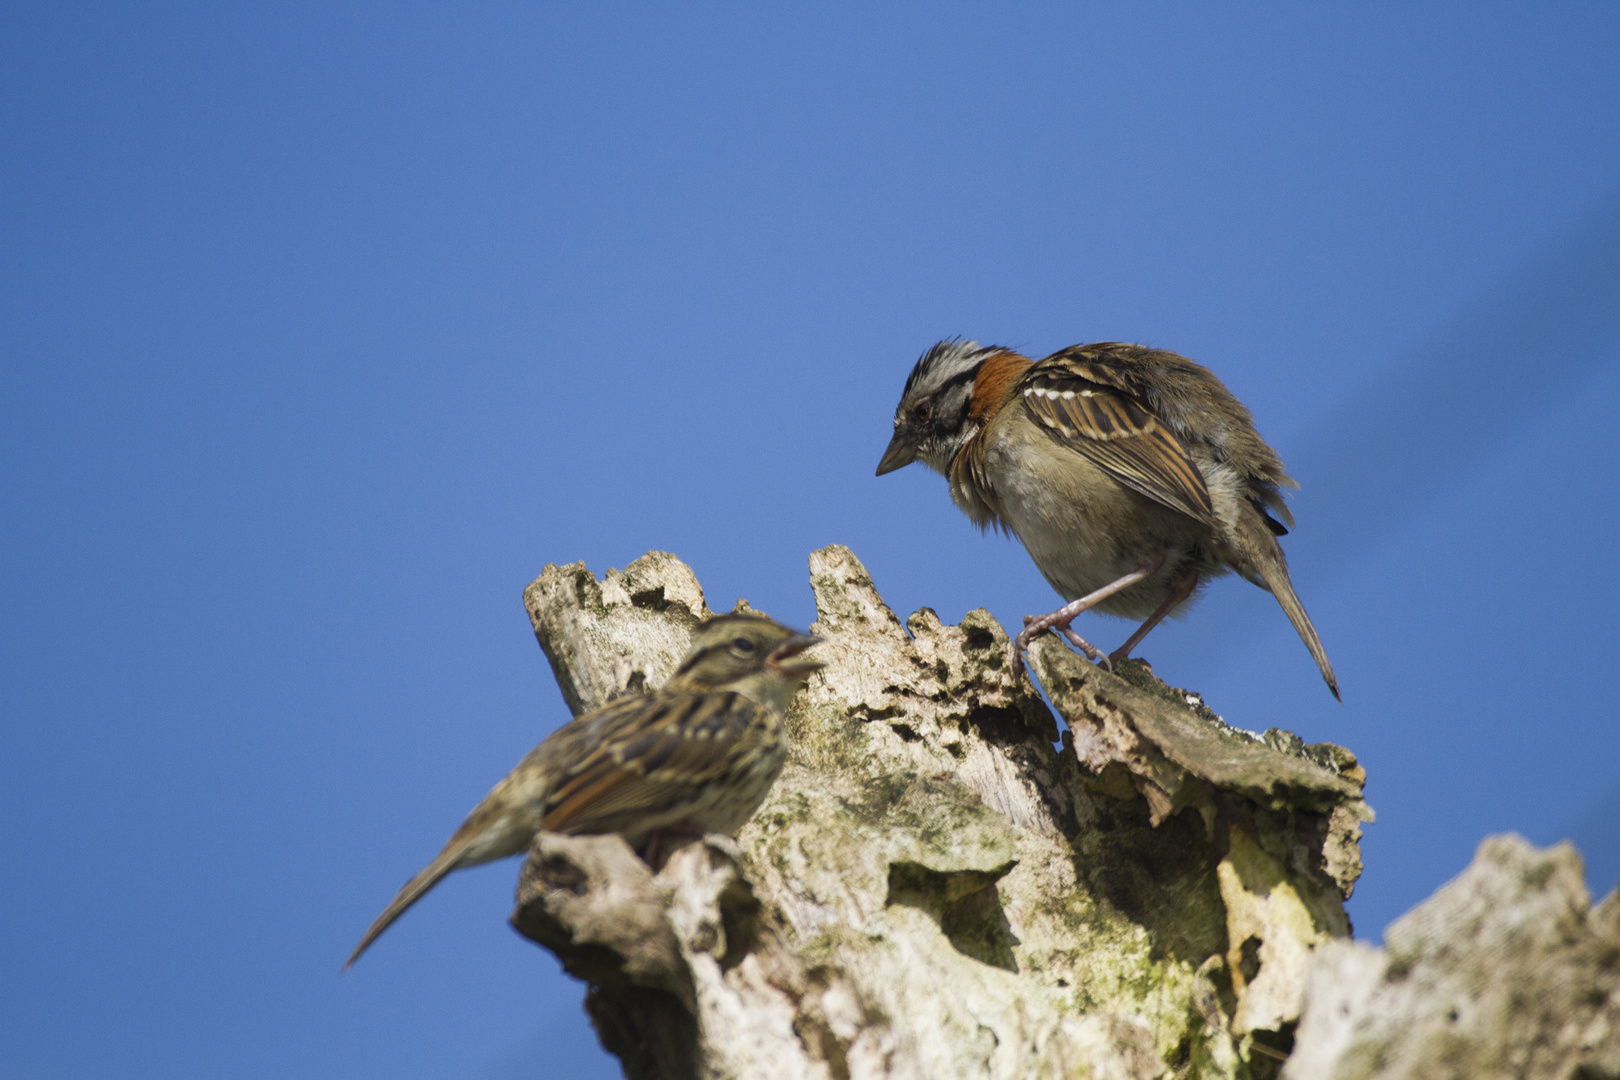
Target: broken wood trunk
[943, 883]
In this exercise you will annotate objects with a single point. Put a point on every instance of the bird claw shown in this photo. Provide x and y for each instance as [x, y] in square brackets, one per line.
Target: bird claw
[1035, 626]
[1096, 655]
[1060, 619]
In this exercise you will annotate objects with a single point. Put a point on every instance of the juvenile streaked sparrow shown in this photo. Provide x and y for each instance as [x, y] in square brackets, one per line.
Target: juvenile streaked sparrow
[1132, 476]
[697, 756]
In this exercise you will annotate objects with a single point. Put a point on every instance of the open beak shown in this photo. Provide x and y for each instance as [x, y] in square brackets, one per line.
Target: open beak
[789, 662]
[900, 453]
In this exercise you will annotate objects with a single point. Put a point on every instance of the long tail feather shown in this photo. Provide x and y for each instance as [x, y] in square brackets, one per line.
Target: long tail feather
[1273, 568]
[449, 859]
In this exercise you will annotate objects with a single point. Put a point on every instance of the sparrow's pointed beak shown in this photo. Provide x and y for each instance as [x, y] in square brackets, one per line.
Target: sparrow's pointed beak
[901, 452]
[787, 658]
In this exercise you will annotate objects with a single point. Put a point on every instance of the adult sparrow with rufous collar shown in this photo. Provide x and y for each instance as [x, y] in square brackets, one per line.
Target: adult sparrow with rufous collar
[1132, 476]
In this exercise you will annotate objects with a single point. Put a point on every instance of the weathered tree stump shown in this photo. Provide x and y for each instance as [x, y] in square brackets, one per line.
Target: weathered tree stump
[933, 888]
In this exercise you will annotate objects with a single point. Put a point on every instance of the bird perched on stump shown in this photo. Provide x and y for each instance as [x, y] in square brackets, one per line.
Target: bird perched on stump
[697, 756]
[1132, 476]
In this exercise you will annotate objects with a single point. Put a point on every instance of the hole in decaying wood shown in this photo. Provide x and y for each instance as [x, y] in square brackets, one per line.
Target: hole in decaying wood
[965, 903]
[1249, 959]
[1268, 1050]
[560, 873]
[652, 599]
[977, 637]
[740, 921]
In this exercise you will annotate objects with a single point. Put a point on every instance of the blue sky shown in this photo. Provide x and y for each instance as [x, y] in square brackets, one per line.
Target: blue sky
[322, 330]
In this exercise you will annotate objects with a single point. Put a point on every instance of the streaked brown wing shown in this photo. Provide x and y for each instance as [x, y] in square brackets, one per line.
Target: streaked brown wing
[647, 755]
[1086, 406]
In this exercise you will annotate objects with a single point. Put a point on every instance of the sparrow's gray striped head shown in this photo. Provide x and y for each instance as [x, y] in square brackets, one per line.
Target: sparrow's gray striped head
[729, 648]
[931, 422]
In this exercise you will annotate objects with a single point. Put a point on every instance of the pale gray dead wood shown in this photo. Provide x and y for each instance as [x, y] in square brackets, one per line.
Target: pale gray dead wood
[623, 633]
[1507, 971]
[933, 889]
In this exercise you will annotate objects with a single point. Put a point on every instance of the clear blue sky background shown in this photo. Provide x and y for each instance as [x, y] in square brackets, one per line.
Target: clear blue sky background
[325, 328]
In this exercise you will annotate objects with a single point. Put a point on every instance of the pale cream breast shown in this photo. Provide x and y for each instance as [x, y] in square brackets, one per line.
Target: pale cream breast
[1083, 528]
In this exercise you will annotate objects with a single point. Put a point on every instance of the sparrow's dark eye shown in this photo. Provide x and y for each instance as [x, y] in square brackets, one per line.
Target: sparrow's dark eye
[742, 645]
[924, 410]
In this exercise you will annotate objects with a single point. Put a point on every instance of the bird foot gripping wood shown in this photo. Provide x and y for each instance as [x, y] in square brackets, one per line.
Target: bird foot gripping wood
[1094, 654]
[1060, 619]
[1034, 626]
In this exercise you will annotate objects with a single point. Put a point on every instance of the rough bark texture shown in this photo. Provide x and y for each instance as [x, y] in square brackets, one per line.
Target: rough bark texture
[1507, 971]
[933, 889]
